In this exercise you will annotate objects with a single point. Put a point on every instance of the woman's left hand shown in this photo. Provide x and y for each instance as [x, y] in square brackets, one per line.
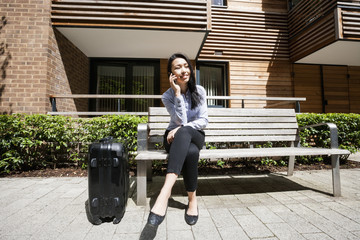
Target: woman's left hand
[171, 135]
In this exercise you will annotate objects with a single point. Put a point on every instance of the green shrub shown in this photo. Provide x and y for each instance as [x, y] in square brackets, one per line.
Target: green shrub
[348, 130]
[38, 141]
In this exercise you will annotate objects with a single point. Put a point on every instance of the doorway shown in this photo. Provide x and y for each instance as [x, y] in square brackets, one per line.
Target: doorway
[130, 77]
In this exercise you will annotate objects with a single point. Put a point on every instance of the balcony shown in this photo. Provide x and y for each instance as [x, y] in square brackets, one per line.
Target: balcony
[133, 29]
[325, 32]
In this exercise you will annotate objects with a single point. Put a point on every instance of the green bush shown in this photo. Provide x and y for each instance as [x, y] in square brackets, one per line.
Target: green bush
[38, 141]
[348, 130]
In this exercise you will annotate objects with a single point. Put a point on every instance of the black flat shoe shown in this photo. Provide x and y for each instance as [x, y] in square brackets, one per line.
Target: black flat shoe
[191, 219]
[155, 219]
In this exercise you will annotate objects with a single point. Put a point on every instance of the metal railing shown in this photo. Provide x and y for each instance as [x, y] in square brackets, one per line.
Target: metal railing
[53, 97]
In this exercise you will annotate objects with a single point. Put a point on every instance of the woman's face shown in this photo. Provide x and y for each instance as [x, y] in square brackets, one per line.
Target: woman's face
[180, 68]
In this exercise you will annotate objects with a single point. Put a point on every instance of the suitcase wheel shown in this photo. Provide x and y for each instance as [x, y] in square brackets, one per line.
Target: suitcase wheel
[116, 220]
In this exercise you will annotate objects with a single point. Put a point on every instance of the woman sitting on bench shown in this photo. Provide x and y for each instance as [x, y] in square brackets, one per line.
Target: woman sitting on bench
[186, 103]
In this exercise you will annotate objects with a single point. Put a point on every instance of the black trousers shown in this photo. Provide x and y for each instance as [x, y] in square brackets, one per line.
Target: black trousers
[184, 154]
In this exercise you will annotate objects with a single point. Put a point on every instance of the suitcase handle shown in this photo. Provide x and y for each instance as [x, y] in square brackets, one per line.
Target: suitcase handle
[106, 139]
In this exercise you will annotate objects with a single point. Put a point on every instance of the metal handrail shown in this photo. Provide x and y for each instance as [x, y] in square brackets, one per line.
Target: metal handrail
[285, 100]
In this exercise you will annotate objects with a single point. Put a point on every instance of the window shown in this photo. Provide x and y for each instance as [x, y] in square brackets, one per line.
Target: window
[124, 77]
[213, 77]
[218, 3]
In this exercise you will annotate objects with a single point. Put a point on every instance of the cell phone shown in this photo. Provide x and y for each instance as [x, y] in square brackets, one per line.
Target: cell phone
[175, 78]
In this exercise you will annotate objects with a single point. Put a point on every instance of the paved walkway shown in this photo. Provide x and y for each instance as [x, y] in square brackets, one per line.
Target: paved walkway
[231, 207]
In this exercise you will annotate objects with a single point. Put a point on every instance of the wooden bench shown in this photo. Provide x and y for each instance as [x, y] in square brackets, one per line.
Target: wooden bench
[236, 125]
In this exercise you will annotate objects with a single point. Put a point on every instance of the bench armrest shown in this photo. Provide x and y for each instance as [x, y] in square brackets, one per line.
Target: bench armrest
[142, 137]
[333, 132]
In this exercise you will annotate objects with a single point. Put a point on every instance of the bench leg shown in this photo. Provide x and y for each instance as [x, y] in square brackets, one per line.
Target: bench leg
[291, 165]
[141, 183]
[335, 162]
[149, 170]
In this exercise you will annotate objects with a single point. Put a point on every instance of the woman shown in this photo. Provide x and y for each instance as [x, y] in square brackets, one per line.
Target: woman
[186, 103]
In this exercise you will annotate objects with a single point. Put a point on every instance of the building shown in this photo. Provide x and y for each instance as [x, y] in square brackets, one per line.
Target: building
[264, 48]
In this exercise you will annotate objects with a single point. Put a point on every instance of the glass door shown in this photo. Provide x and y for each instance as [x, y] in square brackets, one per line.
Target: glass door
[124, 77]
[110, 80]
[212, 76]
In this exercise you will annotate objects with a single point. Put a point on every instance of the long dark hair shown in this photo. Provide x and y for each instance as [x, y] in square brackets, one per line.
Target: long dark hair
[195, 96]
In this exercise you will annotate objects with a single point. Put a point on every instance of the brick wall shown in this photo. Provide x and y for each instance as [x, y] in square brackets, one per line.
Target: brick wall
[24, 36]
[31, 60]
[68, 72]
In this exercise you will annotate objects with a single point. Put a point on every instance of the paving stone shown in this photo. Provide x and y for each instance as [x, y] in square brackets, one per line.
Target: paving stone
[16, 237]
[284, 231]
[205, 229]
[213, 202]
[123, 236]
[253, 227]
[357, 233]
[282, 197]
[317, 236]
[176, 221]
[232, 232]
[77, 229]
[278, 208]
[265, 214]
[335, 231]
[240, 211]
[222, 218]
[180, 235]
[298, 223]
[103, 231]
[130, 223]
[340, 220]
[344, 210]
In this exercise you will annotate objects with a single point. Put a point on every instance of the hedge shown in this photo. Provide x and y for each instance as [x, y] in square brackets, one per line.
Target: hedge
[39, 141]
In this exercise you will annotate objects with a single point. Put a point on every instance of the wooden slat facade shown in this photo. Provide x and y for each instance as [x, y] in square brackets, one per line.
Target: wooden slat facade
[336, 89]
[314, 24]
[307, 83]
[260, 78]
[311, 27]
[252, 36]
[354, 88]
[350, 21]
[259, 5]
[162, 14]
[246, 35]
[328, 88]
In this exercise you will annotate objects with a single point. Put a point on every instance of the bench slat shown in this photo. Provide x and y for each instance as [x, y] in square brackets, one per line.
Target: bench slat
[164, 119]
[158, 111]
[247, 152]
[283, 138]
[224, 132]
[235, 125]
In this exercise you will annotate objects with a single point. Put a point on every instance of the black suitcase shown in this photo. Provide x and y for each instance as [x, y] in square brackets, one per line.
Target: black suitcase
[108, 179]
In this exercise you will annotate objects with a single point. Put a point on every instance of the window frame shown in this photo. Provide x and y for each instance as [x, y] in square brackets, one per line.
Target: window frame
[129, 64]
[225, 4]
[225, 80]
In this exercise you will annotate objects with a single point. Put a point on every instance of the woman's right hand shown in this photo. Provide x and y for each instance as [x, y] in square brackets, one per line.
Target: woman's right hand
[174, 85]
[171, 135]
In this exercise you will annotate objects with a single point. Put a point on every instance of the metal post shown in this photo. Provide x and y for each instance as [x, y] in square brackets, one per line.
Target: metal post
[297, 106]
[53, 104]
[243, 103]
[119, 107]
